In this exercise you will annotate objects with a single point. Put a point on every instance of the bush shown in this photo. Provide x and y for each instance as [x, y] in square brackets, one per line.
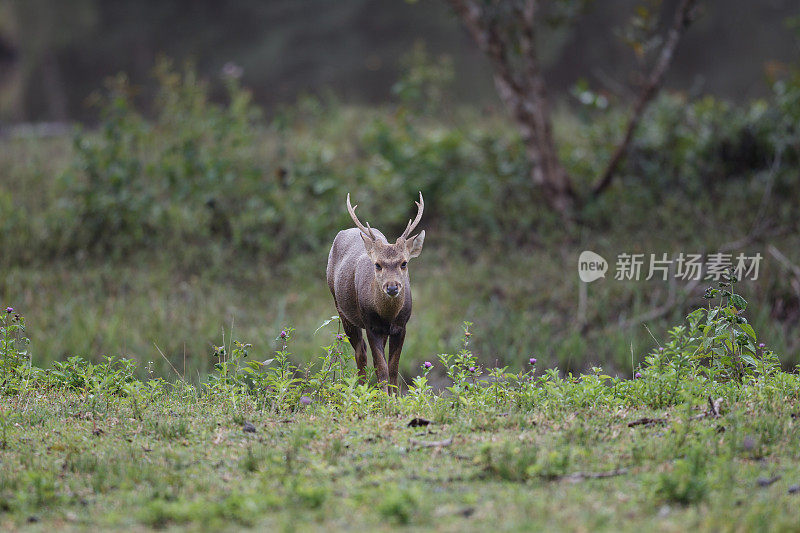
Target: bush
[139, 183]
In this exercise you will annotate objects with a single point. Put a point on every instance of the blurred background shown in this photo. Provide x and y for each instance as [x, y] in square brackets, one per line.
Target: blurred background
[172, 173]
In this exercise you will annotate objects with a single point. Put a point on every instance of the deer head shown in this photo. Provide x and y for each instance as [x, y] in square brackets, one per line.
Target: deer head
[390, 261]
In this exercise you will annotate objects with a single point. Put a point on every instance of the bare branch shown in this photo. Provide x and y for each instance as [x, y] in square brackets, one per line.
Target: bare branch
[683, 18]
[486, 36]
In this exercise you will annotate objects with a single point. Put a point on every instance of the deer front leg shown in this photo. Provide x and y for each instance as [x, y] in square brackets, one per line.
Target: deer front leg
[377, 344]
[356, 339]
[396, 340]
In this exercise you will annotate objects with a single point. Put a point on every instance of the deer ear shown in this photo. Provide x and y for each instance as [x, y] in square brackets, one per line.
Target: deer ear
[369, 244]
[414, 245]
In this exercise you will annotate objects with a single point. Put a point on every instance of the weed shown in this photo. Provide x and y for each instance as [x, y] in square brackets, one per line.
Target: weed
[401, 505]
[685, 482]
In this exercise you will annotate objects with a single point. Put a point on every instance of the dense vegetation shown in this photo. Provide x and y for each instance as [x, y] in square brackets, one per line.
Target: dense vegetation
[53, 54]
[154, 235]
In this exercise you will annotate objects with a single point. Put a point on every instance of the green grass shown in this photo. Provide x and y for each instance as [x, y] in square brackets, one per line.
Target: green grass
[525, 306]
[692, 443]
[73, 461]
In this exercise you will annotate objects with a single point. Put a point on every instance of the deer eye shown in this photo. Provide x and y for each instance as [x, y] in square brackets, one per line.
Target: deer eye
[378, 267]
[404, 264]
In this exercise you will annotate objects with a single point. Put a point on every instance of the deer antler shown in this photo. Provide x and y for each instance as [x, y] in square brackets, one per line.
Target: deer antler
[352, 210]
[413, 223]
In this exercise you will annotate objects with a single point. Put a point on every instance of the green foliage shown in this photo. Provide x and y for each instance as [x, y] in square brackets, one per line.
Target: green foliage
[399, 505]
[14, 357]
[199, 171]
[423, 83]
[717, 342]
[113, 375]
[194, 171]
[140, 182]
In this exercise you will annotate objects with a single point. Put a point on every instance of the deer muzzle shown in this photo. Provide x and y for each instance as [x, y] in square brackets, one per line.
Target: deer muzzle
[392, 288]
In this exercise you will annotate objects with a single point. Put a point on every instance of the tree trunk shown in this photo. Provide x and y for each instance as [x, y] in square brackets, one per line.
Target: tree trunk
[521, 87]
[531, 112]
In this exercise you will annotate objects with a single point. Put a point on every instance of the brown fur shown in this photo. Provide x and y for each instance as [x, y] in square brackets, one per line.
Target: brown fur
[359, 291]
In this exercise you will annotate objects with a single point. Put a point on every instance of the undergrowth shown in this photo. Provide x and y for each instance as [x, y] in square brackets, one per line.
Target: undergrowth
[267, 442]
[715, 354]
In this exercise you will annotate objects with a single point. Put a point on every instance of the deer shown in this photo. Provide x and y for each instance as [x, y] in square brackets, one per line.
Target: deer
[368, 278]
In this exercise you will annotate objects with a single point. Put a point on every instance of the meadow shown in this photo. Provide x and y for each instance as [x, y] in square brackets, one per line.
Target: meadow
[685, 444]
[168, 359]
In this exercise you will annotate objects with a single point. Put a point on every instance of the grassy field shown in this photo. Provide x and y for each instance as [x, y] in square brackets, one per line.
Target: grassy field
[704, 437]
[75, 461]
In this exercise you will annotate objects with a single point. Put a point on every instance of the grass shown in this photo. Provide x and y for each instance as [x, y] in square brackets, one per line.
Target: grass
[73, 461]
[526, 306]
[690, 443]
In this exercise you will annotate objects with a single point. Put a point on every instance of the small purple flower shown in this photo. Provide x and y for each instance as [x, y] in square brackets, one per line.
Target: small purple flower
[660, 348]
[762, 345]
[427, 364]
[532, 360]
[9, 310]
[305, 400]
[472, 369]
[637, 375]
[339, 337]
[284, 334]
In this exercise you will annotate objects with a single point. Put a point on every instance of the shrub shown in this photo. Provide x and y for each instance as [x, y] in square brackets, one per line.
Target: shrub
[138, 182]
[14, 356]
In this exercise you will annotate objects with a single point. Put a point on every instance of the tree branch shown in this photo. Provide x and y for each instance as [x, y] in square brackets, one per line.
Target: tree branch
[508, 40]
[683, 18]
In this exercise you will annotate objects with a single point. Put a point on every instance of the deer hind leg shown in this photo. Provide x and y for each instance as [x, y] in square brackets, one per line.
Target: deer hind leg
[377, 344]
[356, 339]
[395, 347]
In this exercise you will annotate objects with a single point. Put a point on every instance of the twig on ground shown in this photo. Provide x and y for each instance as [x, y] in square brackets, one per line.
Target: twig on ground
[647, 422]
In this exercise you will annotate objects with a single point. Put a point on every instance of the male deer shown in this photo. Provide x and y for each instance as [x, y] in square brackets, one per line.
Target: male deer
[368, 278]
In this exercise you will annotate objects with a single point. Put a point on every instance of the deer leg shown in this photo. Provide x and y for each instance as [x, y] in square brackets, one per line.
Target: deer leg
[377, 344]
[356, 339]
[395, 347]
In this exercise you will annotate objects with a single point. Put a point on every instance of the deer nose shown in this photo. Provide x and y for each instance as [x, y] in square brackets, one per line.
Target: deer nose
[393, 289]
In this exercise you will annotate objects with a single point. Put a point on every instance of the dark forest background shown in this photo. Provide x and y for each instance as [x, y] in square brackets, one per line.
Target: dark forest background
[55, 53]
